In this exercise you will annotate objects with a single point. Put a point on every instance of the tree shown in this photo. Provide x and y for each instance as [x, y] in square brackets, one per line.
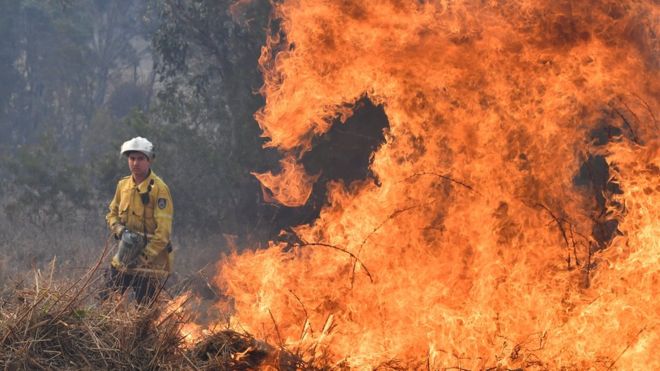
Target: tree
[207, 60]
[9, 77]
[59, 61]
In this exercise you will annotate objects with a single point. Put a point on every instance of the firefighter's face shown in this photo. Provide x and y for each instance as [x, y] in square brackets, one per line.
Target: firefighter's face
[139, 164]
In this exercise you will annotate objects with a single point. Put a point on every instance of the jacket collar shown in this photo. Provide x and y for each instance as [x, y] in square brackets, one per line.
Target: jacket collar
[144, 185]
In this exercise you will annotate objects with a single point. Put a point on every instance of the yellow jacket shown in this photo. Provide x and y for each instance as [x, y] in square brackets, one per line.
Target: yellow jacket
[154, 218]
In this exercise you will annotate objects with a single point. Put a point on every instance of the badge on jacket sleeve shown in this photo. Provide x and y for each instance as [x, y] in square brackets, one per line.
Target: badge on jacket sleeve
[162, 203]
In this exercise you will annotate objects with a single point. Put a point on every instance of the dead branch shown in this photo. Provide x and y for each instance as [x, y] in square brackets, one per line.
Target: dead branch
[577, 260]
[628, 125]
[343, 250]
[378, 227]
[277, 330]
[587, 268]
[306, 315]
[648, 108]
[446, 177]
[627, 347]
[562, 230]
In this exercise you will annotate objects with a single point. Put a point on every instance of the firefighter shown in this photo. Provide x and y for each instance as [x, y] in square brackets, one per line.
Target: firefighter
[140, 218]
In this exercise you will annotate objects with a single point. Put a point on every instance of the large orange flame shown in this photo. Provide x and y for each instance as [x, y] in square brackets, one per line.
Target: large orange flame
[477, 247]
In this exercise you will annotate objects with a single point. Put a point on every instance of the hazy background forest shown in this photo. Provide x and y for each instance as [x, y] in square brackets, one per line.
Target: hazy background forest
[77, 78]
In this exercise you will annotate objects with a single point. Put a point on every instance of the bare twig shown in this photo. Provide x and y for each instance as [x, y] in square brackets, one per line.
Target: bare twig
[577, 260]
[343, 250]
[627, 347]
[378, 227]
[587, 267]
[628, 125]
[277, 330]
[558, 221]
[188, 361]
[563, 232]
[160, 288]
[306, 315]
[648, 108]
[446, 177]
[90, 274]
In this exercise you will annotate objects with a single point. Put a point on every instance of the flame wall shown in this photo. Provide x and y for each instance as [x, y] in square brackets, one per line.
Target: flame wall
[476, 249]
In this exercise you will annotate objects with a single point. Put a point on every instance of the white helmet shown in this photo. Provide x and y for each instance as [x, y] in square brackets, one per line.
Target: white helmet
[139, 144]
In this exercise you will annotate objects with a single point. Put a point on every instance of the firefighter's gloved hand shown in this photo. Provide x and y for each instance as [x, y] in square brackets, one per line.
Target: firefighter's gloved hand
[118, 230]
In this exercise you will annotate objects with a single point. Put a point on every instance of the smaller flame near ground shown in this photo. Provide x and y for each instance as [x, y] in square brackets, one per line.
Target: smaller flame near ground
[190, 331]
[480, 246]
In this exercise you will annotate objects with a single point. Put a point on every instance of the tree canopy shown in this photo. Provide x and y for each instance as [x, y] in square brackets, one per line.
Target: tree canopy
[78, 78]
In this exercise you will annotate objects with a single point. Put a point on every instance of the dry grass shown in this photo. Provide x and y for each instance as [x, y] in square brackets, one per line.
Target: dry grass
[57, 323]
[40, 330]
[61, 327]
[50, 317]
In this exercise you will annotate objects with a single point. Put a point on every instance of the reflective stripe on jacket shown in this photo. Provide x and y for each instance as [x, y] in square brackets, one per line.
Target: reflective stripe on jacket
[153, 219]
